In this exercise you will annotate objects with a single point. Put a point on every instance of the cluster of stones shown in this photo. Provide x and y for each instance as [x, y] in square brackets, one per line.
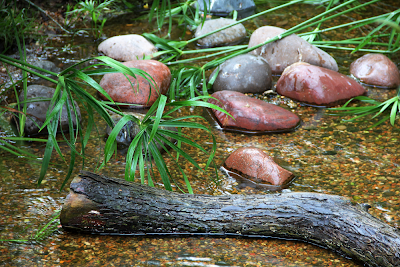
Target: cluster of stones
[308, 75]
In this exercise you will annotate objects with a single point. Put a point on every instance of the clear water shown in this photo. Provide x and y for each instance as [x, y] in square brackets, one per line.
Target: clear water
[325, 154]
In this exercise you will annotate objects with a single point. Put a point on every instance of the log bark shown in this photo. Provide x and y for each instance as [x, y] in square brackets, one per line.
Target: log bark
[99, 204]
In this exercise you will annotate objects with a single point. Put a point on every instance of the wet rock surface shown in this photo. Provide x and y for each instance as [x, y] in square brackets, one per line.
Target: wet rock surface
[131, 129]
[37, 110]
[316, 85]
[284, 52]
[47, 65]
[251, 115]
[127, 47]
[223, 8]
[244, 73]
[229, 36]
[120, 89]
[255, 164]
[376, 69]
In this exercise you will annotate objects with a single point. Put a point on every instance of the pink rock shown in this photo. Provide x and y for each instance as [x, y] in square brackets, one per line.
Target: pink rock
[316, 85]
[127, 47]
[376, 69]
[120, 90]
[288, 50]
[251, 114]
[255, 164]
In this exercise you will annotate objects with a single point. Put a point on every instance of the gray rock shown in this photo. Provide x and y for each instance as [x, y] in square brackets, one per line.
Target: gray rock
[229, 36]
[47, 65]
[37, 110]
[284, 52]
[244, 73]
[223, 8]
[127, 47]
[131, 129]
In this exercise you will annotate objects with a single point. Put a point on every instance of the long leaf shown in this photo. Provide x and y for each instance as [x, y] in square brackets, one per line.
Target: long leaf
[160, 110]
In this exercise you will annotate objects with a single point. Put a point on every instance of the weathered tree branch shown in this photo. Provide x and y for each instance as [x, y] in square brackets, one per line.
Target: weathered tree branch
[99, 204]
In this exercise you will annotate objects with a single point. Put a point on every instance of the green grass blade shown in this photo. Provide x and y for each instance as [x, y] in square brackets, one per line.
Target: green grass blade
[135, 147]
[393, 111]
[110, 146]
[161, 166]
[159, 114]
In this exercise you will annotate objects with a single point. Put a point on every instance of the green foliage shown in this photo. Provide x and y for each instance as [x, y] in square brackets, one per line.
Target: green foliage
[94, 8]
[14, 24]
[183, 14]
[69, 88]
[389, 109]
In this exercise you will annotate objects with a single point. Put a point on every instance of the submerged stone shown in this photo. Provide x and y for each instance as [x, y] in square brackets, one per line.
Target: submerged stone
[376, 69]
[256, 165]
[46, 65]
[37, 110]
[223, 8]
[121, 90]
[316, 85]
[127, 47]
[251, 115]
[286, 51]
[230, 36]
[244, 73]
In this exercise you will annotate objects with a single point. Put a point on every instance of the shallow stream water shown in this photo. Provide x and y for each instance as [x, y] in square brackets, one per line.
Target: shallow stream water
[326, 156]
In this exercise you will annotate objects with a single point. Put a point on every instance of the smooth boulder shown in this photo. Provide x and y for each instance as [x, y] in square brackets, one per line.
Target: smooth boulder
[244, 73]
[256, 165]
[37, 110]
[230, 36]
[127, 47]
[121, 90]
[316, 85]
[251, 115]
[286, 51]
[376, 69]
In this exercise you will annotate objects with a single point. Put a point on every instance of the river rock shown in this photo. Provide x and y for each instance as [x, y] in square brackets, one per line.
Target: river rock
[376, 69]
[127, 47]
[255, 164]
[223, 8]
[229, 36]
[244, 73]
[251, 115]
[286, 51]
[37, 110]
[131, 129]
[316, 85]
[47, 65]
[120, 89]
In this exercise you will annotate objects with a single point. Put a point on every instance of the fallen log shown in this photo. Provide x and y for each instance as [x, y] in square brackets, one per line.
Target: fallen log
[99, 204]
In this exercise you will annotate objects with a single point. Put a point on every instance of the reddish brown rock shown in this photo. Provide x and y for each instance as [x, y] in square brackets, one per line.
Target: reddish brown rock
[254, 164]
[120, 90]
[251, 114]
[316, 85]
[286, 51]
[376, 69]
